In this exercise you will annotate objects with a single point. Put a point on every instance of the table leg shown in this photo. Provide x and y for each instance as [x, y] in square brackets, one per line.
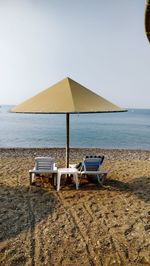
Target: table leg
[77, 181]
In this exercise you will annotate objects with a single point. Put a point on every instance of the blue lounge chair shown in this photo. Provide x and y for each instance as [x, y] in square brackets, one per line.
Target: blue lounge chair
[91, 167]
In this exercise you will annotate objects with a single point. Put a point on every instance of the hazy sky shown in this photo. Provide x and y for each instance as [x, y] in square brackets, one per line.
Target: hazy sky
[100, 44]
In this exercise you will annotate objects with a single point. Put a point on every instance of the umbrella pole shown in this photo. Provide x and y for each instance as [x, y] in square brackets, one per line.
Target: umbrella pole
[147, 19]
[67, 140]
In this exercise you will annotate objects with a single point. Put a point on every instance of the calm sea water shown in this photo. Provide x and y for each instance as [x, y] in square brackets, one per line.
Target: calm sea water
[114, 130]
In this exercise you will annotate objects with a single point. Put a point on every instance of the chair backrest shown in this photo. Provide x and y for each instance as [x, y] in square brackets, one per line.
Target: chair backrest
[44, 163]
[101, 157]
[92, 163]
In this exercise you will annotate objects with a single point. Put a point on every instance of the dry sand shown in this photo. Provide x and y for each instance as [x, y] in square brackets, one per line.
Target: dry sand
[91, 226]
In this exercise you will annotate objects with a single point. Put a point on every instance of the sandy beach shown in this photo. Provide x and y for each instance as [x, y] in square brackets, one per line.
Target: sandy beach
[100, 226]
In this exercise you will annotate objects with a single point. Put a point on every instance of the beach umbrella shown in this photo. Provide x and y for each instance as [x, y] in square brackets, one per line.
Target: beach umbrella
[147, 19]
[66, 97]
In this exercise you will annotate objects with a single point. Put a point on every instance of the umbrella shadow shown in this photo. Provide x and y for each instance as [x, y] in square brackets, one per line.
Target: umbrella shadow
[140, 187]
[22, 208]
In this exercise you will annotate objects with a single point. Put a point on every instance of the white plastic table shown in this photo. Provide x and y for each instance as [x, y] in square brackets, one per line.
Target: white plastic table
[67, 171]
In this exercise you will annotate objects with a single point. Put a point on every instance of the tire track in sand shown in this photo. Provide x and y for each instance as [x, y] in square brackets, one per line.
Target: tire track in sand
[84, 218]
[92, 256]
[32, 228]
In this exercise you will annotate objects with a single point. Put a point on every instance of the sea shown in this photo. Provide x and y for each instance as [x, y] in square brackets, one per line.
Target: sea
[127, 130]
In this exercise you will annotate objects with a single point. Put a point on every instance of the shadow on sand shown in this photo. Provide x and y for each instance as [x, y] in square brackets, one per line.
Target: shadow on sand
[21, 208]
[140, 187]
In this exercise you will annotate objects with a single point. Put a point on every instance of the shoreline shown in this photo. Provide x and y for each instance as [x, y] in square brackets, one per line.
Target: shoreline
[78, 153]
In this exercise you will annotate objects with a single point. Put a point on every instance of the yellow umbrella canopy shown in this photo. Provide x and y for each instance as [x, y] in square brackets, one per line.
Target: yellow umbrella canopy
[66, 96]
[147, 19]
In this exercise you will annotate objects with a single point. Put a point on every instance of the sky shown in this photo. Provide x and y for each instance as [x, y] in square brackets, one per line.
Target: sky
[100, 44]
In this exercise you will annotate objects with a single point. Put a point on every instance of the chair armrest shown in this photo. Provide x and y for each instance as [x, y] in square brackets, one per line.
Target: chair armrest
[43, 171]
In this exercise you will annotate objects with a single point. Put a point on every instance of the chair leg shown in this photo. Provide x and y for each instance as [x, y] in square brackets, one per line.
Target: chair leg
[32, 177]
[104, 175]
[100, 179]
